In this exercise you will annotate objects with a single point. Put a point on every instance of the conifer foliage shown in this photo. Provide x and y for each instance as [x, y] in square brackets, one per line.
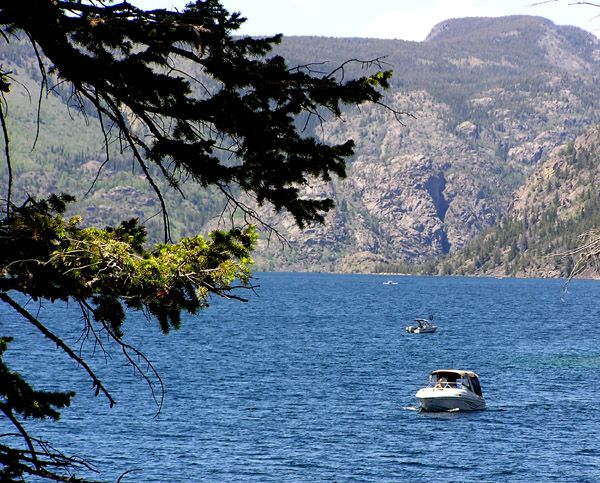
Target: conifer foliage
[187, 101]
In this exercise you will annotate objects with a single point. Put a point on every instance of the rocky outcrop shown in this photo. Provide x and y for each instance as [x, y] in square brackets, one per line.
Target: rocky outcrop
[548, 221]
[422, 190]
[428, 186]
[488, 100]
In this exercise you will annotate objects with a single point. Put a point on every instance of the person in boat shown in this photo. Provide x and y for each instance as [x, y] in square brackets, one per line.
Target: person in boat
[441, 383]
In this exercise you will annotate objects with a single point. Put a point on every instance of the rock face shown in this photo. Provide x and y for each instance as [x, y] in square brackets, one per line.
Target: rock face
[570, 173]
[508, 91]
[487, 101]
[551, 220]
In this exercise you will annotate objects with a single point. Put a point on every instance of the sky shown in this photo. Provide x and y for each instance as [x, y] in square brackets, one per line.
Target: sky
[386, 19]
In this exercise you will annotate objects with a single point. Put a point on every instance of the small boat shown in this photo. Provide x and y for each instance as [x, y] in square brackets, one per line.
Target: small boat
[423, 326]
[390, 282]
[451, 389]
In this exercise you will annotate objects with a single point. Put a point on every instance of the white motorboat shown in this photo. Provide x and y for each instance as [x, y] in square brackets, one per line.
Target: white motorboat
[423, 326]
[451, 389]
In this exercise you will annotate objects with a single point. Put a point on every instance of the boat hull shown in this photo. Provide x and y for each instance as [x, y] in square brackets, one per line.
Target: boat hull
[434, 399]
[426, 331]
[421, 330]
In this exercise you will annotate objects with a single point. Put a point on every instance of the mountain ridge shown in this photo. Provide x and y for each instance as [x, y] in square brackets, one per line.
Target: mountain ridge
[485, 115]
[493, 123]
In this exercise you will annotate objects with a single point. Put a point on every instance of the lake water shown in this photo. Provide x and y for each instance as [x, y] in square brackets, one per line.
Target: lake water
[314, 379]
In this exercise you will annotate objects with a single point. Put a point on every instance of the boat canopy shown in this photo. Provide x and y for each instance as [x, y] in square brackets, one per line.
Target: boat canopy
[457, 378]
[423, 322]
[454, 372]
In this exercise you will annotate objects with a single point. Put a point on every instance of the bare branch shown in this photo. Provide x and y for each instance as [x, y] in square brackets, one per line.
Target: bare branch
[378, 62]
[397, 114]
[45, 456]
[60, 343]
[250, 215]
[22, 432]
[587, 253]
[127, 351]
[8, 160]
[43, 86]
[591, 4]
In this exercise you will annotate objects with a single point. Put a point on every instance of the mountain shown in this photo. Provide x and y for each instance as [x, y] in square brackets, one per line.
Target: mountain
[546, 221]
[491, 99]
[56, 149]
[488, 100]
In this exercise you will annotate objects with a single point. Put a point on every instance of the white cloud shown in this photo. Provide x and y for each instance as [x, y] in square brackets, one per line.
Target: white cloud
[415, 23]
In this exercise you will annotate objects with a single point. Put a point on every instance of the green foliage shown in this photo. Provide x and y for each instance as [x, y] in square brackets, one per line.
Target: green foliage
[19, 400]
[189, 104]
[44, 256]
[381, 79]
[16, 396]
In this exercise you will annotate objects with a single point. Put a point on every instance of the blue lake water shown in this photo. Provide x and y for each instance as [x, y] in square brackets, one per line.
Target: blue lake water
[314, 380]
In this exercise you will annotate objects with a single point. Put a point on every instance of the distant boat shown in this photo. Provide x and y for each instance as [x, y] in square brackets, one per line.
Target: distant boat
[423, 326]
[451, 389]
[390, 282]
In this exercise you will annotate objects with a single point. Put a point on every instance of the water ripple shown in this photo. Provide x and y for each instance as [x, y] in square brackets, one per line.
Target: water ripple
[314, 380]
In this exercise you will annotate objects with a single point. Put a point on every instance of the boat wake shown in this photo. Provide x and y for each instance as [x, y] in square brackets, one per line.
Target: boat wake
[409, 408]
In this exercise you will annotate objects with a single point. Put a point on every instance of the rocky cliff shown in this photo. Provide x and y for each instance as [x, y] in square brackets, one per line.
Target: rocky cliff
[547, 220]
[490, 100]
[487, 101]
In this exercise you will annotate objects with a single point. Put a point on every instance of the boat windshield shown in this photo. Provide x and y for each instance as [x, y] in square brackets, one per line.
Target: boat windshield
[476, 386]
[450, 379]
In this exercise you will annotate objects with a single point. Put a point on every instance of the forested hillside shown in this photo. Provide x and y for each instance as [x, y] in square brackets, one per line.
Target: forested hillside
[492, 98]
[489, 101]
[54, 148]
[546, 221]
